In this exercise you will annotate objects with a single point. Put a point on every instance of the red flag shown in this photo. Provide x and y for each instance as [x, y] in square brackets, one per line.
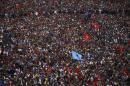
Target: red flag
[95, 83]
[86, 37]
[126, 72]
[120, 49]
[77, 71]
[95, 25]
[18, 6]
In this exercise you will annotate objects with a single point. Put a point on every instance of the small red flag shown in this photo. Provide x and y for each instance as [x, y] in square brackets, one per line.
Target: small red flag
[95, 25]
[126, 72]
[86, 37]
[120, 49]
[18, 6]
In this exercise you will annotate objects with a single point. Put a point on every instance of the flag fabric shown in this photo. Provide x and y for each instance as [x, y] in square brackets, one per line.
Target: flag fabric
[95, 25]
[76, 55]
[86, 37]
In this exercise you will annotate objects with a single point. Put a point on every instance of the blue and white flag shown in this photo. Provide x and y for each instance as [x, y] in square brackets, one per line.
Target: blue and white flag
[76, 55]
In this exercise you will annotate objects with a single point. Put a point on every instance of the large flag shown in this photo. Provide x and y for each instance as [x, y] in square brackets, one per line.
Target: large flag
[76, 55]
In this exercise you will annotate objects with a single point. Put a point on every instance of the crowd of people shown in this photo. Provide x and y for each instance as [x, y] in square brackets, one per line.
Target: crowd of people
[37, 36]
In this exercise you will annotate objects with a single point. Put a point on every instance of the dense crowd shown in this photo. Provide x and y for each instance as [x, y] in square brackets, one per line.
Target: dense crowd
[37, 36]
